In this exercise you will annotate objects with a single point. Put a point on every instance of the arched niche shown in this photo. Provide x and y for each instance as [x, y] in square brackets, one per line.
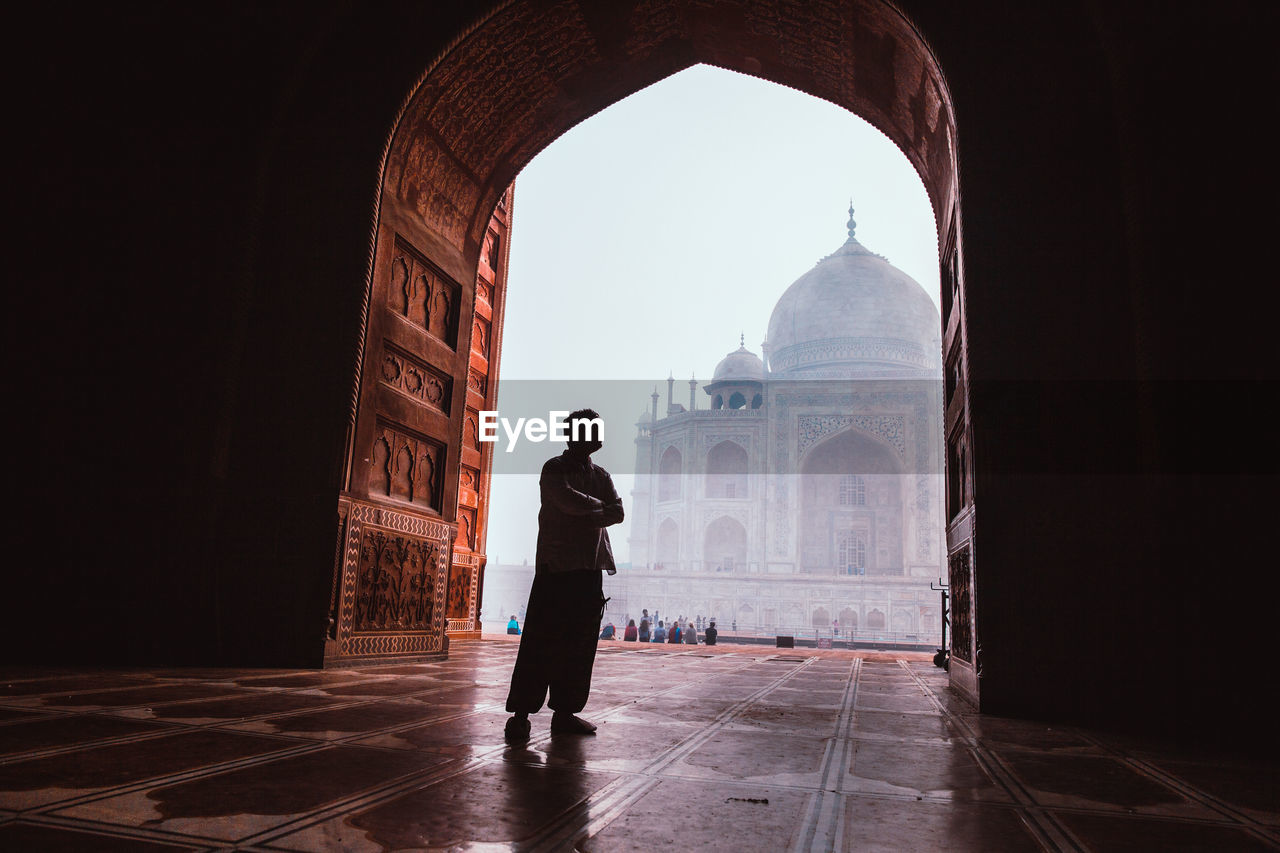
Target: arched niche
[727, 468]
[852, 509]
[724, 545]
[667, 553]
[670, 469]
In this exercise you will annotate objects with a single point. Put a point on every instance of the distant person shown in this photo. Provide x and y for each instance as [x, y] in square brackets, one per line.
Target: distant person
[660, 633]
[513, 627]
[607, 633]
[835, 627]
[689, 634]
[566, 603]
[709, 636]
[673, 633]
[630, 634]
[644, 630]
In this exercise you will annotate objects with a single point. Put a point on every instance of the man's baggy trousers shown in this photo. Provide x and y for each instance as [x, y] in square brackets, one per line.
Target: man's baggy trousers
[558, 646]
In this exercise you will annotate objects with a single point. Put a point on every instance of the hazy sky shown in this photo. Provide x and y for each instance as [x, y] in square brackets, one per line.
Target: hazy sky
[648, 237]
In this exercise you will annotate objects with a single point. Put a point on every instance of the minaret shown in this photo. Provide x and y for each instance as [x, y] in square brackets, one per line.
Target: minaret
[671, 394]
[654, 397]
[693, 387]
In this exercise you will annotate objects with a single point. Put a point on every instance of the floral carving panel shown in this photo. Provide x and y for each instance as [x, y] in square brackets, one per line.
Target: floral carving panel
[395, 580]
[961, 605]
[459, 597]
[394, 573]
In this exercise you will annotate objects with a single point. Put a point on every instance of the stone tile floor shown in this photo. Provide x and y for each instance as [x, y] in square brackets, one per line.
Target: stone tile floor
[735, 748]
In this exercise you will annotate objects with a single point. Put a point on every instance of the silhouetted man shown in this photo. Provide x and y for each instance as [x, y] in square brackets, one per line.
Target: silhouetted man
[562, 621]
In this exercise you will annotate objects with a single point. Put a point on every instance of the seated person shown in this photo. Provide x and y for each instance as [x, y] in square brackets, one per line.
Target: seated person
[607, 633]
[660, 633]
[513, 627]
[689, 634]
[709, 636]
[644, 630]
[630, 634]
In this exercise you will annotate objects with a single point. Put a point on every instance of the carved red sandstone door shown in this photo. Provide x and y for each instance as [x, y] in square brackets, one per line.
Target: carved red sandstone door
[400, 526]
[965, 666]
[466, 573]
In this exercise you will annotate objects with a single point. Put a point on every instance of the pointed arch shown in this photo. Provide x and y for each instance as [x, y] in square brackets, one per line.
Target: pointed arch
[727, 468]
[724, 545]
[670, 474]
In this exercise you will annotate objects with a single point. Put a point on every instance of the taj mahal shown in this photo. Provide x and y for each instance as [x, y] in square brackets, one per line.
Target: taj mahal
[801, 492]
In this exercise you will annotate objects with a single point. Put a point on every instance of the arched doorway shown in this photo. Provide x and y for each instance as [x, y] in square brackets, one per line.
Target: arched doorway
[519, 78]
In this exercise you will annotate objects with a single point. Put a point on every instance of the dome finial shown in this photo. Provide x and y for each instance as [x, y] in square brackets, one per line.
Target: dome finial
[742, 339]
[851, 223]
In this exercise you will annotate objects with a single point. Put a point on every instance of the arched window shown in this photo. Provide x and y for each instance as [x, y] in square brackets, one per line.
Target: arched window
[669, 475]
[737, 400]
[717, 402]
[853, 490]
[852, 557]
[757, 401]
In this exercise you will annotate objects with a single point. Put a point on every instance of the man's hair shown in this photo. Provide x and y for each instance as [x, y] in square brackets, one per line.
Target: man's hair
[583, 415]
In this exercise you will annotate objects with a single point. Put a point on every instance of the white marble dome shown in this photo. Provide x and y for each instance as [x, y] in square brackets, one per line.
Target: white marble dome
[853, 314]
[739, 365]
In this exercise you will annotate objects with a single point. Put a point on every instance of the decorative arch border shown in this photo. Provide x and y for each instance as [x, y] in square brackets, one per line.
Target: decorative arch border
[891, 429]
[711, 516]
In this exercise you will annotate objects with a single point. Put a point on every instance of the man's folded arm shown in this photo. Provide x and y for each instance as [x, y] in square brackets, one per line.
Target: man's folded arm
[613, 512]
[557, 492]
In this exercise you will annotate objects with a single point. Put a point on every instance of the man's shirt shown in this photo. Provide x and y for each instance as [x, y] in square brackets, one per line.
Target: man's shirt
[571, 522]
